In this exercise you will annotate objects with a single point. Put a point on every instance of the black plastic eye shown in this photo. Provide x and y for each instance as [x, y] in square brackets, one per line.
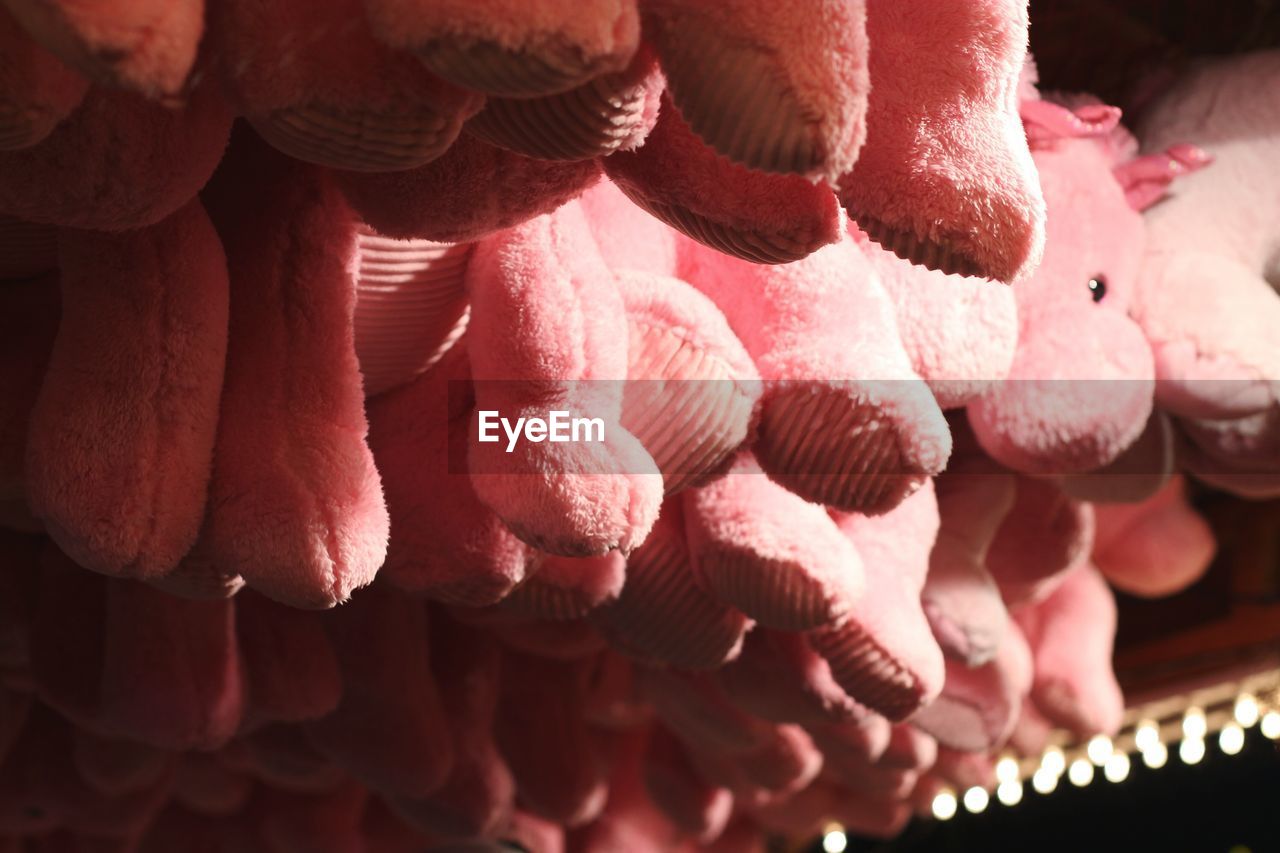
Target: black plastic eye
[1098, 287]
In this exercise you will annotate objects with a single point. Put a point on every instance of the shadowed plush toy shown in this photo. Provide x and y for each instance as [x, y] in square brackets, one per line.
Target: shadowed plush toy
[117, 162]
[663, 613]
[28, 326]
[502, 188]
[761, 218]
[36, 90]
[444, 542]
[149, 47]
[295, 505]
[120, 448]
[344, 99]
[390, 729]
[773, 87]
[95, 658]
[845, 420]
[612, 112]
[944, 178]
[1071, 634]
[1044, 535]
[1154, 548]
[884, 654]
[961, 599]
[1080, 389]
[1217, 359]
[509, 47]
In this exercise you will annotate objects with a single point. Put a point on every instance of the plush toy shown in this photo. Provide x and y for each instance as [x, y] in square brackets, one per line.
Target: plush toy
[803, 112]
[845, 421]
[759, 217]
[315, 83]
[944, 178]
[120, 446]
[1153, 548]
[36, 90]
[1044, 536]
[548, 332]
[1216, 358]
[883, 654]
[510, 48]
[28, 325]
[1071, 634]
[296, 505]
[1079, 391]
[118, 162]
[960, 333]
[613, 112]
[503, 189]
[147, 47]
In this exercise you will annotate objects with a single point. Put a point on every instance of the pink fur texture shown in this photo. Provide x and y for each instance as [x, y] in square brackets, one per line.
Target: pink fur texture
[36, 90]
[146, 45]
[761, 218]
[548, 333]
[845, 419]
[960, 333]
[118, 162]
[771, 87]
[945, 179]
[511, 47]
[122, 434]
[344, 99]
[296, 504]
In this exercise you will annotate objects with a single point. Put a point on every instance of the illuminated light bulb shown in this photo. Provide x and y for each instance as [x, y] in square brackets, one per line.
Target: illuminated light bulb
[1010, 792]
[1007, 769]
[1156, 756]
[1080, 773]
[1053, 761]
[1191, 750]
[1246, 710]
[1231, 738]
[976, 800]
[1099, 749]
[1044, 781]
[835, 841]
[1271, 725]
[1117, 767]
[944, 805]
[1194, 724]
[1147, 735]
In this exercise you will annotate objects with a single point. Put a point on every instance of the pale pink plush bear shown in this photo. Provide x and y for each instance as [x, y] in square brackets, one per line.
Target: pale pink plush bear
[1207, 298]
[1080, 389]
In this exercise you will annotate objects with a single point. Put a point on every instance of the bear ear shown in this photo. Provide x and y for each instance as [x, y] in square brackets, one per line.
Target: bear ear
[1046, 121]
[1146, 179]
